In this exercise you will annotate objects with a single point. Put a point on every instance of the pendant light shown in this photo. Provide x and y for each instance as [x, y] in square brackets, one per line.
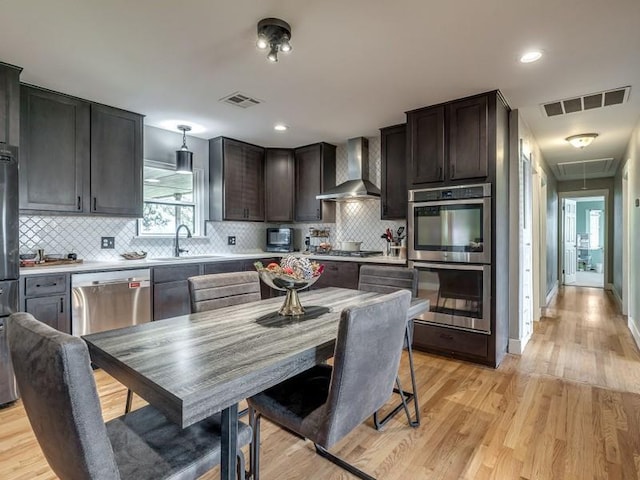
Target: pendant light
[584, 176]
[184, 157]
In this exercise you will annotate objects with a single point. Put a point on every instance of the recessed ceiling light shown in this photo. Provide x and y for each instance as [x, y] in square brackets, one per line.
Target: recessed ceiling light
[532, 56]
[281, 127]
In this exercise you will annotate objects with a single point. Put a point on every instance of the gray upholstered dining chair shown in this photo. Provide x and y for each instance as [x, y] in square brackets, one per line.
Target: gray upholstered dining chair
[217, 290]
[58, 390]
[385, 279]
[325, 403]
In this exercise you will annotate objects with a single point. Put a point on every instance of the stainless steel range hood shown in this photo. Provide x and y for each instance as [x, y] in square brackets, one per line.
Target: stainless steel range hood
[358, 186]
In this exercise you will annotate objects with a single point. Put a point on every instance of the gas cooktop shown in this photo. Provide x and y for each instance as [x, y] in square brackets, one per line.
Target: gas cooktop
[349, 253]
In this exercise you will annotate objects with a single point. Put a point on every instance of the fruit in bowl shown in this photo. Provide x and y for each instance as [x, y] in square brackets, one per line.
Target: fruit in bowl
[291, 274]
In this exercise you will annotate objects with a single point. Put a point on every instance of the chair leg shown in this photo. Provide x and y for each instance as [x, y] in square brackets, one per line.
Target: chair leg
[241, 472]
[342, 463]
[254, 448]
[404, 395]
[127, 405]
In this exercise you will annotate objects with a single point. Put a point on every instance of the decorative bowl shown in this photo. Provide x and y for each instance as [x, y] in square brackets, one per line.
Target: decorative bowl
[134, 255]
[292, 274]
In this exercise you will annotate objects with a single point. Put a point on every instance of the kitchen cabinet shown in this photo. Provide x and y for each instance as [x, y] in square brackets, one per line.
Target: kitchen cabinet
[46, 297]
[451, 342]
[450, 142]
[279, 185]
[315, 170]
[78, 157]
[224, 267]
[116, 161]
[338, 274]
[393, 185]
[236, 180]
[10, 104]
[55, 151]
[171, 290]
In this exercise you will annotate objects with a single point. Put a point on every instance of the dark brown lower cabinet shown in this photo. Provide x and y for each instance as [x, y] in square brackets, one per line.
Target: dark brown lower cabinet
[452, 342]
[54, 311]
[338, 274]
[171, 290]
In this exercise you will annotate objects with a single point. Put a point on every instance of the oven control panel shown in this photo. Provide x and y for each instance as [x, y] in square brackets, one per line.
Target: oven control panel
[450, 193]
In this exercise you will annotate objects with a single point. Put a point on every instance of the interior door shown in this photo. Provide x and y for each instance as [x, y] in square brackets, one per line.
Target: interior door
[570, 252]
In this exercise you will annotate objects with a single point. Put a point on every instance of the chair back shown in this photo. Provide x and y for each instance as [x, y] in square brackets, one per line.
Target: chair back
[58, 390]
[366, 361]
[388, 279]
[209, 292]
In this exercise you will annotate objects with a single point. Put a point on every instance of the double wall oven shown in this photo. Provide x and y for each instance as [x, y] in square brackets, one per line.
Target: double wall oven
[450, 245]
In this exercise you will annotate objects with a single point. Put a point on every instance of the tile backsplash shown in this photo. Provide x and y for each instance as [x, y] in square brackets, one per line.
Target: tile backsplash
[359, 221]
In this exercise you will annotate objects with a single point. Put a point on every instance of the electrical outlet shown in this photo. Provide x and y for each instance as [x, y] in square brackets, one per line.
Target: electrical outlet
[108, 242]
[231, 240]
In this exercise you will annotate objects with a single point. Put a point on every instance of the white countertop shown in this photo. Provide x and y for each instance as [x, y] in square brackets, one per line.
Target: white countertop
[88, 266]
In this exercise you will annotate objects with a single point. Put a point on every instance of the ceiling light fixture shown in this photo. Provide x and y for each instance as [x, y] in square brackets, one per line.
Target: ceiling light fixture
[184, 158]
[584, 175]
[281, 127]
[530, 57]
[274, 34]
[582, 140]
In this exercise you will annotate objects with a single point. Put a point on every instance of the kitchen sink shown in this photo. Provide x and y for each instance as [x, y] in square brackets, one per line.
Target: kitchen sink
[185, 258]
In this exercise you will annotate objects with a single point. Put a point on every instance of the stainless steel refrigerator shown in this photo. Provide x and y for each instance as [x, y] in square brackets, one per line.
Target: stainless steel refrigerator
[9, 263]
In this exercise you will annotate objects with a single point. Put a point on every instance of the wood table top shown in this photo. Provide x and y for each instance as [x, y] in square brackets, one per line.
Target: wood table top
[195, 365]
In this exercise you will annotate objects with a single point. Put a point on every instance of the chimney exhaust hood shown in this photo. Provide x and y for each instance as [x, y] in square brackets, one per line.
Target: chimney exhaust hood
[358, 186]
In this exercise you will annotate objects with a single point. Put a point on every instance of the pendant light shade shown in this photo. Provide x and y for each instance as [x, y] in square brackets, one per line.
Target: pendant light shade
[184, 157]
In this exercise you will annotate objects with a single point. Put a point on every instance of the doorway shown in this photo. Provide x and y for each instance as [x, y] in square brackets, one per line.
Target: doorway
[584, 235]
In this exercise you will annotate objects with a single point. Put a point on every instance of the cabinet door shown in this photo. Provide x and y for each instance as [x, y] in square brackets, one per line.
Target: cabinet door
[171, 299]
[253, 182]
[224, 267]
[338, 274]
[315, 170]
[468, 138]
[116, 162]
[54, 311]
[233, 168]
[9, 105]
[279, 185]
[393, 198]
[54, 151]
[426, 140]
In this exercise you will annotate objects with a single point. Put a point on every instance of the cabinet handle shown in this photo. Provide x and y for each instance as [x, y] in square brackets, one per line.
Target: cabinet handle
[384, 209]
[95, 203]
[453, 171]
[318, 214]
[46, 285]
[446, 336]
[440, 173]
[61, 305]
[79, 202]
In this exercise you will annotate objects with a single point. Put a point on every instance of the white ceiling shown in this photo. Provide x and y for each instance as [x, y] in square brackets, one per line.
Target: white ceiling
[356, 65]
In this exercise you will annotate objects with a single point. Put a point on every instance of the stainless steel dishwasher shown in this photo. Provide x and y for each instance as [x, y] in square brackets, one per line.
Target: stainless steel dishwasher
[107, 300]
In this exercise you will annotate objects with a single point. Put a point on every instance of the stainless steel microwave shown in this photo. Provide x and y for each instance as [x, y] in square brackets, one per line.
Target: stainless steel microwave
[279, 240]
[450, 224]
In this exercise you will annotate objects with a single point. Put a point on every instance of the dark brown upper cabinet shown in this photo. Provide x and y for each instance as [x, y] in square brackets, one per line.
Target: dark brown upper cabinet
[236, 180]
[55, 151]
[79, 157]
[393, 188]
[116, 161]
[9, 104]
[449, 143]
[279, 185]
[315, 167]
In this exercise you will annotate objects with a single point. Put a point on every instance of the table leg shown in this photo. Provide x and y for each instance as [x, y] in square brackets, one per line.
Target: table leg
[229, 443]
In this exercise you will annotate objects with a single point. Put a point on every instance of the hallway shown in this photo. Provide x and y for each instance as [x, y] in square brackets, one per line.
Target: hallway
[569, 408]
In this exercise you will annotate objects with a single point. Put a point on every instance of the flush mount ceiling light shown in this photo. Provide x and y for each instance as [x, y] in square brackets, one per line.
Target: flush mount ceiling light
[280, 127]
[275, 35]
[530, 57]
[582, 140]
[184, 158]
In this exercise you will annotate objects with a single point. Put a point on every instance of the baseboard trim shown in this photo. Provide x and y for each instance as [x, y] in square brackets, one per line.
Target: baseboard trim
[617, 297]
[634, 331]
[517, 346]
[551, 294]
[609, 286]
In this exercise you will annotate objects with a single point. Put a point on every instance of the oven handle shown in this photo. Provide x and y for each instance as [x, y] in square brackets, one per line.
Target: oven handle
[449, 266]
[469, 201]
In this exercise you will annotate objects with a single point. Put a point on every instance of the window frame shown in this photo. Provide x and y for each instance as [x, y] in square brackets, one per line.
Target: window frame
[198, 202]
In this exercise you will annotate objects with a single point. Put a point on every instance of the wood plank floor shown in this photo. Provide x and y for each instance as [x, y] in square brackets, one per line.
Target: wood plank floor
[569, 408]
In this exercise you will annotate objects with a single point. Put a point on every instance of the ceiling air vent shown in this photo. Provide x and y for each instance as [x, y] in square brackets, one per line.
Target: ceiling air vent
[586, 102]
[241, 100]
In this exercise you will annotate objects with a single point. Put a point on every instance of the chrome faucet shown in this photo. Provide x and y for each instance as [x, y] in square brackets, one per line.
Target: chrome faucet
[177, 251]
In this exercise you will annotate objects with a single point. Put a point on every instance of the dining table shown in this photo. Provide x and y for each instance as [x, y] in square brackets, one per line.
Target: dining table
[192, 366]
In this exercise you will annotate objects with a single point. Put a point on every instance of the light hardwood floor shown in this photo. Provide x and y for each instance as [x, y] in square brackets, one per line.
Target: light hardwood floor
[569, 408]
